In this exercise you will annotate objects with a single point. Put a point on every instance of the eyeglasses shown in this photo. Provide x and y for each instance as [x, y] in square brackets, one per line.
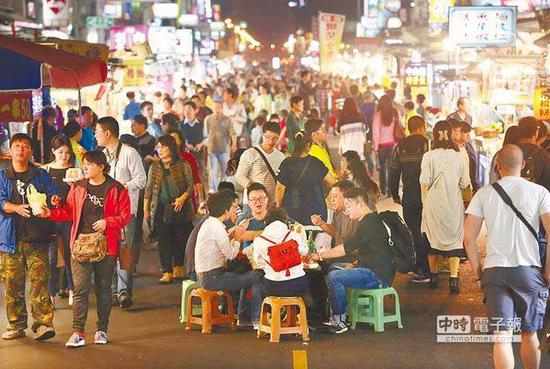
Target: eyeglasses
[257, 199]
[270, 138]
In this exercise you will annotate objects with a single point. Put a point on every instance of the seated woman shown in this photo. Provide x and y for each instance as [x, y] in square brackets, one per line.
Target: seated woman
[282, 284]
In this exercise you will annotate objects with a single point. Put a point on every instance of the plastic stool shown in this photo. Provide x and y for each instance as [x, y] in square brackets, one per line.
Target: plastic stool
[186, 287]
[367, 306]
[294, 323]
[211, 314]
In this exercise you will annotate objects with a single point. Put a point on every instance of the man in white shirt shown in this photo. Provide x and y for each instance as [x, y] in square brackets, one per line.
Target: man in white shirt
[126, 168]
[234, 110]
[214, 247]
[514, 280]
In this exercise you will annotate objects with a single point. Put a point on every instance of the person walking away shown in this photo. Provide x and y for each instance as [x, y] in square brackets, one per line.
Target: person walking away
[133, 107]
[461, 137]
[254, 168]
[405, 166]
[353, 169]
[126, 167]
[442, 177]
[420, 105]
[235, 111]
[368, 108]
[510, 137]
[352, 128]
[385, 123]
[43, 131]
[300, 183]
[263, 101]
[375, 268]
[294, 120]
[409, 113]
[197, 137]
[315, 130]
[99, 208]
[513, 278]
[24, 243]
[461, 113]
[222, 141]
[168, 205]
[64, 159]
[88, 140]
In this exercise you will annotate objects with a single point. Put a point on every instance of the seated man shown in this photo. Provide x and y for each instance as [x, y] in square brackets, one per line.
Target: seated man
[342, 226]
[279, 283]
[375, 268]
[258, 202]
[214, 247]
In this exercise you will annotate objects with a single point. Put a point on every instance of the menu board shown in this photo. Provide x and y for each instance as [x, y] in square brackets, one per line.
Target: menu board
[473, 26]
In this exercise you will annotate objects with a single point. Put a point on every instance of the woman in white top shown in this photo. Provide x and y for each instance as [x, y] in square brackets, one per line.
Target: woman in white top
[282, 284]
[443, 174]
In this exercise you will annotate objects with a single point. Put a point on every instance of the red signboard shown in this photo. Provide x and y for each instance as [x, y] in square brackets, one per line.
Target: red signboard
[16, 106]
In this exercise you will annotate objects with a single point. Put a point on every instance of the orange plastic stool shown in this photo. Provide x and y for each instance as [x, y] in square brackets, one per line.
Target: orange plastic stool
[211, 314]
[294, 323]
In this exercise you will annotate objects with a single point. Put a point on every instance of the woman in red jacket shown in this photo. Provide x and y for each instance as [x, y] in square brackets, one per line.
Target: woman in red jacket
[99, 208]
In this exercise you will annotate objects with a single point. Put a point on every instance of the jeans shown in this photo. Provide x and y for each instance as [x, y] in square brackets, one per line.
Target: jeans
[360, 278]
[384, 155]
[82, 274]
[123, 280]
[138, 235]
[172, 242]
[63, 231]
[218, 165]
[412, 215]
[219, 279]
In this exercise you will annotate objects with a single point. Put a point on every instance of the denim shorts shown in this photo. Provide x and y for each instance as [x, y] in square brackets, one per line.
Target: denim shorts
[517, 292]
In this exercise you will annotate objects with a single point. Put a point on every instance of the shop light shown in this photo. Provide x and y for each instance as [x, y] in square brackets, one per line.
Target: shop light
[93, 36]
[292, 4]
[394, 23]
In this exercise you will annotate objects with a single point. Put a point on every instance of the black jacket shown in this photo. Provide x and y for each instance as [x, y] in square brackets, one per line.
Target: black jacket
[405, 164]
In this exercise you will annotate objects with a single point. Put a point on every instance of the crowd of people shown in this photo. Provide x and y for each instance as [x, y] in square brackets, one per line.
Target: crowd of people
[242, 162]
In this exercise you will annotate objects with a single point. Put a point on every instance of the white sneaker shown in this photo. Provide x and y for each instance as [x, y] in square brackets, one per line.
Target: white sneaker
[100, 338]
[71, 297]
[76, 340]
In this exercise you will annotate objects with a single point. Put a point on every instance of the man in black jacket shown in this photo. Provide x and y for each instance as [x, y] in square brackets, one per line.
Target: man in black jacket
[405, 165]
[537, 160]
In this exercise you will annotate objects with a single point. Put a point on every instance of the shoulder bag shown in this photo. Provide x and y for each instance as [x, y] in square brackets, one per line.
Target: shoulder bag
[267, 163]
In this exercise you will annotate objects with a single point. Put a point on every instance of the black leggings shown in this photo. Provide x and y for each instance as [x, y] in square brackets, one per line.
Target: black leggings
[172, 242]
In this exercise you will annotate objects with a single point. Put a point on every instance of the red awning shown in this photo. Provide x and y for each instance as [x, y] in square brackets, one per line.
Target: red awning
[66, 70]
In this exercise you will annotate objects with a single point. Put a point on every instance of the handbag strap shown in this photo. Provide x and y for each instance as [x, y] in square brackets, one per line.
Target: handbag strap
[266, 163]
[509, 202]
[440, 174]
[275, 243]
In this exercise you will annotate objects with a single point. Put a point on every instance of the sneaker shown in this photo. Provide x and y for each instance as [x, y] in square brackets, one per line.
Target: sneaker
[71, 297]
[328, 322]
[100, 338]
[115, 301]
[422, 278]
[44, 333]
[12, 334]
[63, 293]
[255, 325]
[76, 340]
[125, 301]
[178, 273]
[338, 327]
[166, 278]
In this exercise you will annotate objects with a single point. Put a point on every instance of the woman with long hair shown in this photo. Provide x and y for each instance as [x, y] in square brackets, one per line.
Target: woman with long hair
[385, 124]
[63, 158]
[353, 130]
[300, 181]
[99, 208]
[168, 206]
[168, 121]
[444, 173]
[353, 169]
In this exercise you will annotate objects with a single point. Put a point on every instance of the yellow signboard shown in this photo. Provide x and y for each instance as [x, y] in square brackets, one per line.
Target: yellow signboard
[331, 28]
[439, 10]
[134, 74]
[541, 103]
[95, 51]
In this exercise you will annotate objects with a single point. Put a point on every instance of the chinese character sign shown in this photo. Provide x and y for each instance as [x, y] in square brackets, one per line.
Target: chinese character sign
[124, 37]
[56, 13]
[134, 75]
[331, 27]
[416, 74]
[16, 106]
[541, 103]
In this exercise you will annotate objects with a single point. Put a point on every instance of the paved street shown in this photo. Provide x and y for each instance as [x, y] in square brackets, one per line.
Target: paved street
[150, 336]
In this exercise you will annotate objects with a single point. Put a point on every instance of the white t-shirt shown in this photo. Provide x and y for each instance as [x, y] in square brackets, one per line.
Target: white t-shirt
[509, 241]
[213, 247]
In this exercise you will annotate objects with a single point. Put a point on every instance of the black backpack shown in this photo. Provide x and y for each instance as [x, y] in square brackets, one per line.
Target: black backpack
[530, 171]
[400, 240]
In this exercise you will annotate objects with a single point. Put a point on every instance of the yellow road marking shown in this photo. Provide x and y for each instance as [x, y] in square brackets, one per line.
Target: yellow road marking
[300, 359]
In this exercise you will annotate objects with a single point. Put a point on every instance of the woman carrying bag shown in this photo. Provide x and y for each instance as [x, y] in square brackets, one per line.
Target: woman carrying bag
[99, 208]
[168, 206]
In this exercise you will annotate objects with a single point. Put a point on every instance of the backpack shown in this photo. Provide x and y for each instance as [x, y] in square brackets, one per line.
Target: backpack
[284, 255]
[530, 170]
[400, 241]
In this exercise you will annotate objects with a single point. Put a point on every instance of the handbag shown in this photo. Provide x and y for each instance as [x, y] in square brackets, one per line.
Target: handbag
[125, 253]
[90, 247]
[284, 255]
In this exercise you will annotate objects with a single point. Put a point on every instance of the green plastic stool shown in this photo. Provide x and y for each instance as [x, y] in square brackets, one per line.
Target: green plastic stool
[186, 287]
[367, 306]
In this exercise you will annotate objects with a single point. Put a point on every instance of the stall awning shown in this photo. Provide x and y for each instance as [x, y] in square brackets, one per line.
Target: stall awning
[26, 65]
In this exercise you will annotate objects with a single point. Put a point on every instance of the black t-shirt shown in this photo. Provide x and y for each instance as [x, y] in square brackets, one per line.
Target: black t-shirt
[92, 211]
[20, 197]
[371, 240]
[541, 163]
[57, 176]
